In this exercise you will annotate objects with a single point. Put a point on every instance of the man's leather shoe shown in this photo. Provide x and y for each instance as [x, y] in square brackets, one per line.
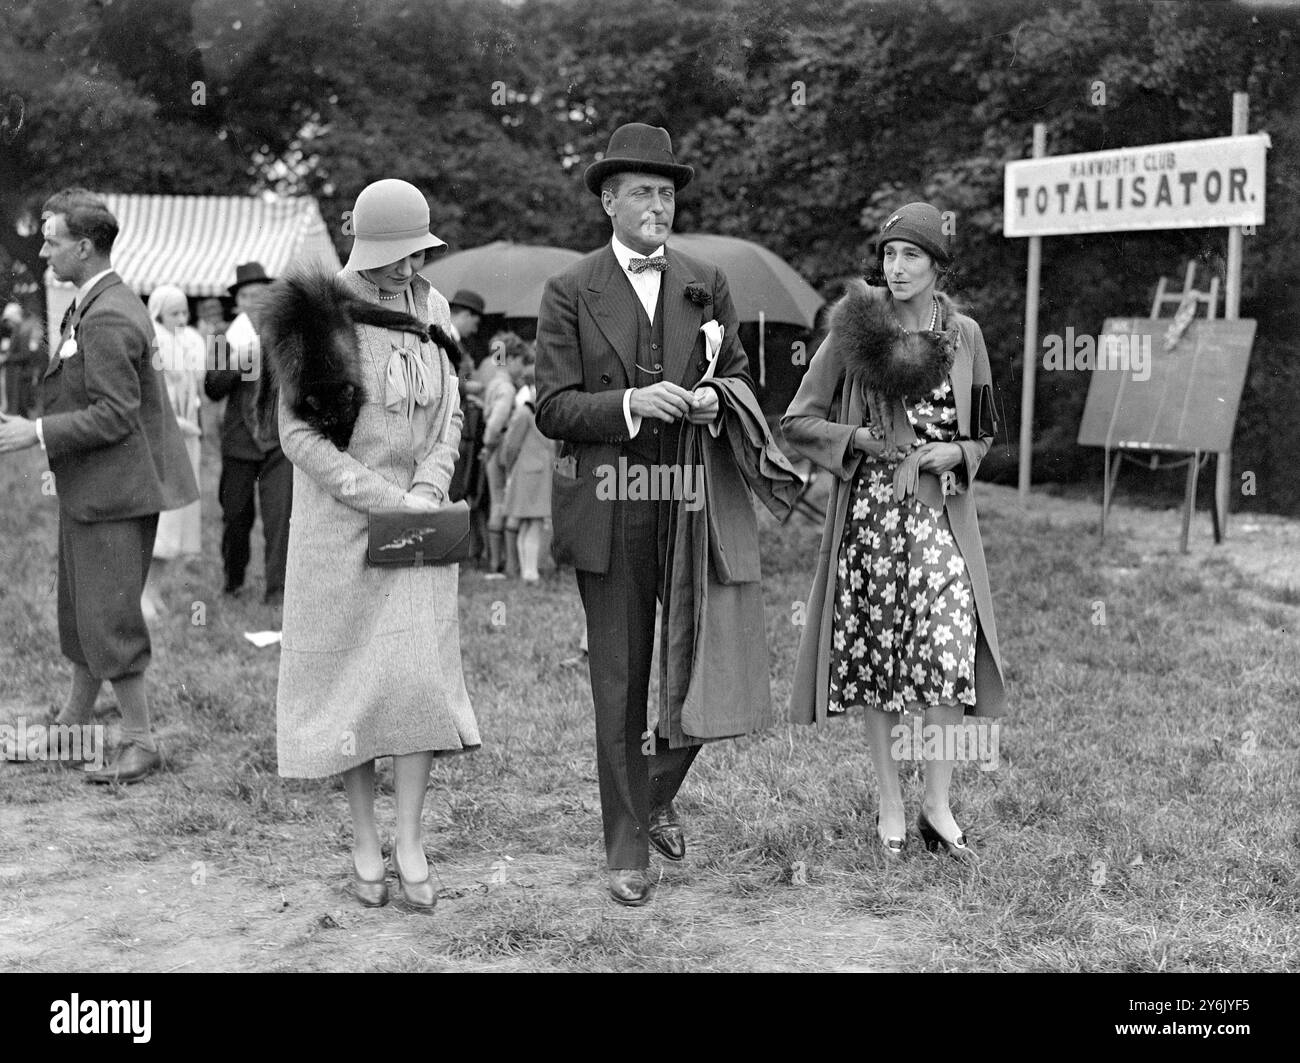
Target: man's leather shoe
[630, 886]
[133, 763]
[666, 833]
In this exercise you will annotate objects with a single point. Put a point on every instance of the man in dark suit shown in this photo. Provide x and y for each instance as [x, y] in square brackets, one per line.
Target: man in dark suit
[251, 467]
[620, 348]
[117, 457]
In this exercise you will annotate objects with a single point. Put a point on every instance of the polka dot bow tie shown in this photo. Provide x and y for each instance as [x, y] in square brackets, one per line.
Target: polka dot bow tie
[640, 265]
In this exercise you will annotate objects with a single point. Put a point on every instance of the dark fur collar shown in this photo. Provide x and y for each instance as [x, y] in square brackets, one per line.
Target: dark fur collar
[310, 353]
[892, 362]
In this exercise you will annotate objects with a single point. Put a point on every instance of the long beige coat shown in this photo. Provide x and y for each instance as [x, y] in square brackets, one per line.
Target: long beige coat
[370, 660]
[829, 406]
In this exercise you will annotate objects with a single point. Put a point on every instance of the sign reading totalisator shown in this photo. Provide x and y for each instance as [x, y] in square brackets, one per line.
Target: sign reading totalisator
[1194, 184]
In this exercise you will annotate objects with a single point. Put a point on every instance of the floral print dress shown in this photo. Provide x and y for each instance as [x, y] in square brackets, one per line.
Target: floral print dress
[904, 619]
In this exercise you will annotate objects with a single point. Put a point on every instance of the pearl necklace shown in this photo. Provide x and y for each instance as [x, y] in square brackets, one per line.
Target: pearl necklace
[395, 295]
[934, 320]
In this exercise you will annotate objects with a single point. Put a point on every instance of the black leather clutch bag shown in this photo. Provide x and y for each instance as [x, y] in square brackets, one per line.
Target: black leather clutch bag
[412, 537]
[984, 414]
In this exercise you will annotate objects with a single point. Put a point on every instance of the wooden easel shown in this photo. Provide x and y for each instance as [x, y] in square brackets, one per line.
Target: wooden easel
[1186, 303]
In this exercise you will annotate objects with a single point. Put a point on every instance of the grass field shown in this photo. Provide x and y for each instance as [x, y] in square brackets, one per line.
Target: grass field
[1142, 817]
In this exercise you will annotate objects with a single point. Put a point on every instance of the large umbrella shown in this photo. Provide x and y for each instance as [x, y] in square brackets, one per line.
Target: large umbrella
[763, 287]
[509, 276]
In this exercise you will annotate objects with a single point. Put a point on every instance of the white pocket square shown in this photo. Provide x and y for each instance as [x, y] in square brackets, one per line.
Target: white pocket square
[69, 348]
[713, 333]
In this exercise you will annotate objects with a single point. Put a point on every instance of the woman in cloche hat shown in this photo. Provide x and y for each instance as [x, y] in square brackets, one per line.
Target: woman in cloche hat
[897, 404]
[370, 663]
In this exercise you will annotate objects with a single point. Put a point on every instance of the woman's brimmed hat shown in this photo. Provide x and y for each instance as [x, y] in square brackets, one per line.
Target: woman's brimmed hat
[390, 220]
[639, 148]
[165, 296]
[920, 224]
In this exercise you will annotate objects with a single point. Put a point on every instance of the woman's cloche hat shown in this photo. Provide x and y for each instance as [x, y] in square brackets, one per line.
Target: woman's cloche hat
[920, 224]
[639, 148]
[390, 220]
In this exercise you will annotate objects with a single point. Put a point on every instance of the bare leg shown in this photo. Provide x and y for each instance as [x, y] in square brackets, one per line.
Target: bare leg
[367, 852]
[938, 774]
[530, 541]
[411, 781]
[893, 817]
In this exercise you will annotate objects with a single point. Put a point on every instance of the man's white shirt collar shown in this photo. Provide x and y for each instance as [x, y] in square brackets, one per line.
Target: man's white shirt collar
[625, 254]
[646, 283]
[84, 290]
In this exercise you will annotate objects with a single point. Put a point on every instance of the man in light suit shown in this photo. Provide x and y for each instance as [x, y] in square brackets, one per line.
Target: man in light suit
[111, 439]
[619, 353]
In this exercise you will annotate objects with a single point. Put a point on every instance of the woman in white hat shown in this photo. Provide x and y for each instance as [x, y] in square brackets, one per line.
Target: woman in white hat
[370, 661]
[178, 352]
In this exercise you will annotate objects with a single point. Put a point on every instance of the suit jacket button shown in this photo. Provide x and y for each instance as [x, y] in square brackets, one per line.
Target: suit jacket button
[658, 366]
[654, 346]
[701, 365]
[604, 378]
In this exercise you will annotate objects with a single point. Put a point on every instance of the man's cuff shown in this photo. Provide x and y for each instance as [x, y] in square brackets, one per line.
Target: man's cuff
[633, 420]
[40, 432]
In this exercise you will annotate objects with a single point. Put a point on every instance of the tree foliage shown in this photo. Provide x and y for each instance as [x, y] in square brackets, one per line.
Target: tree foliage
[807, 123]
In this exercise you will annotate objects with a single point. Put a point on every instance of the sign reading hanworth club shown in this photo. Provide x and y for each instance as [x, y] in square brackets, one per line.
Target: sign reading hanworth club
[1191, 185]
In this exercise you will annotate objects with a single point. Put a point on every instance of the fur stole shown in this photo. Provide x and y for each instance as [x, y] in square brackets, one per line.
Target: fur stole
[892, 363]
[310, 353]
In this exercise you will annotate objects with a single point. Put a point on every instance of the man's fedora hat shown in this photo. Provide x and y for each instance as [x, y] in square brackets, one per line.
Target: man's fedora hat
[639, 148]
[248, 273]
[467, 300]
[390, 220]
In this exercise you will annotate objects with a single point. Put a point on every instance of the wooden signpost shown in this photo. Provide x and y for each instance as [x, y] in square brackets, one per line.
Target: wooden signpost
[1192, 184]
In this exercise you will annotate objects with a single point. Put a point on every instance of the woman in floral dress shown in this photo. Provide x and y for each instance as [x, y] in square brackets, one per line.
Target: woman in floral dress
[896, 404]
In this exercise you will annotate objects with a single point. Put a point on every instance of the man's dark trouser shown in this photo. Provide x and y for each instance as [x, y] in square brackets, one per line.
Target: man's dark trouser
[271, 480]
[18, 386]
[103, 566]
[620, 607]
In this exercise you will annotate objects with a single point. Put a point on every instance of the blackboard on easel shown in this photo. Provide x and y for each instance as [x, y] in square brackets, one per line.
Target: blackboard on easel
[1187, 404]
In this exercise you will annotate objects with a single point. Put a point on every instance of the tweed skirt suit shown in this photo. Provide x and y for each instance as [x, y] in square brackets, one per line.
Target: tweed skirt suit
[370, 661]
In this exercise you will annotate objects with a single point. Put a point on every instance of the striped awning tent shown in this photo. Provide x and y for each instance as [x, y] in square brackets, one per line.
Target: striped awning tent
[195, 242]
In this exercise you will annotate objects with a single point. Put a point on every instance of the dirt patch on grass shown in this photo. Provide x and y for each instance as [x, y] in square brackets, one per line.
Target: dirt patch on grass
[84, 891]
[1184, 699]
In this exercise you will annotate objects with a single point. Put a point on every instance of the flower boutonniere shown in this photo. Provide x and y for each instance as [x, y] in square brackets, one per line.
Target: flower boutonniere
[698, 294]
[68, 349]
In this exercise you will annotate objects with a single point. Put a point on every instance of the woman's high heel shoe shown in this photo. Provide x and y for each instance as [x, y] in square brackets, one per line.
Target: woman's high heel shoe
[893, 846]
[419, 896]
[933, 839]
[372, 893]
